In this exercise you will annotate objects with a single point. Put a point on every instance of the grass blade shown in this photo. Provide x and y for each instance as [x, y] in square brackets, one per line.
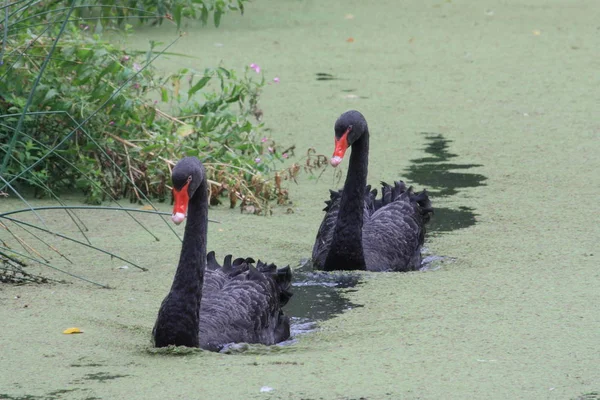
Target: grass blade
[13, 140]
[53, 267]
[75, 241]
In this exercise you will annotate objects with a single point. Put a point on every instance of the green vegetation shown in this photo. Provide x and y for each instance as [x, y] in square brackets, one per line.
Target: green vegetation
[77, 111]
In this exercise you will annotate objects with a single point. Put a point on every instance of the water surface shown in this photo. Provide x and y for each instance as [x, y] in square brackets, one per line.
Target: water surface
[508, 92]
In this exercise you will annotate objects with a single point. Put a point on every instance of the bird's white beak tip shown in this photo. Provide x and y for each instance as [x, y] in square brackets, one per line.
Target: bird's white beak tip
[178, 218]
[335, 161]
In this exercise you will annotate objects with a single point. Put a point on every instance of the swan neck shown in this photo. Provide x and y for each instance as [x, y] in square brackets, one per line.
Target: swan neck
[346, 248]
[192, 260]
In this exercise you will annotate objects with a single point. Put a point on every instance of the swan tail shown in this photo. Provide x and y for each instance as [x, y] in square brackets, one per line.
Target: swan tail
[402, 192]
[425, 208]
[282, 277]
[371, 201]
[211, 261]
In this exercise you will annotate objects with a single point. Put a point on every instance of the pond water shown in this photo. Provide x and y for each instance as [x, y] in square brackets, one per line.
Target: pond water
[491, 106]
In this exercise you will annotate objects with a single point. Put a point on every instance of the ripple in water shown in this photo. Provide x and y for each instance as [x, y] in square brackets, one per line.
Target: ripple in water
[318, 296]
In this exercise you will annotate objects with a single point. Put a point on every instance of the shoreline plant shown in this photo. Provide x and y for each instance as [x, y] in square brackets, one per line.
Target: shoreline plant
[79, 112]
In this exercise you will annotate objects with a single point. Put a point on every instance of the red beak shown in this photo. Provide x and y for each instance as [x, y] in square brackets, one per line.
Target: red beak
[182, 198]
[341, 145]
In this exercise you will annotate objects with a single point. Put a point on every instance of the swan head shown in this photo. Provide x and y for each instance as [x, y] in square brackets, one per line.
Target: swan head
[187, 176]
[349, 127]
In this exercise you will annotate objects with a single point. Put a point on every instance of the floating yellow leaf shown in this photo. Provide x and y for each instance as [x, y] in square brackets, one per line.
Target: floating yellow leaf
[147, 207]
[349, 16]
[71, 331]
[537, 33]
[350, 40]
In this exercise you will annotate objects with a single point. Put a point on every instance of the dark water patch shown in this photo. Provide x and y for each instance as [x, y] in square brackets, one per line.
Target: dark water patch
[443, 176]
[87, 365]
[437, 173]
[103, 376]
[318, 295]
[441, 181]
[449, 219]
[438, 146]
[589, 396]
[53, 395]
[324, 76]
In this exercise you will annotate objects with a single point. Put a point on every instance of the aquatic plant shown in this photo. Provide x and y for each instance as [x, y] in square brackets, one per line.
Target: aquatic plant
[78, 112]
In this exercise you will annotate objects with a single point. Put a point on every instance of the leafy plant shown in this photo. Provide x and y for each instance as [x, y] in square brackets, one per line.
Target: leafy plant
[79, 112]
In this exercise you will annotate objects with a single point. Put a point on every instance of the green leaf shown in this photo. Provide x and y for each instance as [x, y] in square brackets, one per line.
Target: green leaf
[177, 14]
[204, 15]
[164, 94]
[50, 94]
[217, 17]
[199, 85]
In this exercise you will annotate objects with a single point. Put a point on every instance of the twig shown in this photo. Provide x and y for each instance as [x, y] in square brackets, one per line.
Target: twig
[131, 174]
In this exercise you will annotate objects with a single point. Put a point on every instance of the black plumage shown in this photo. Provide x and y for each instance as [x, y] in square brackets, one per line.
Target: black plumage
[360, 231]
[210, 305]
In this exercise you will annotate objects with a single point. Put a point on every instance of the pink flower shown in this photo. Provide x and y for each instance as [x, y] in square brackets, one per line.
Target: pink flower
[111, 123]
[137, 67]
[257, 160]
[270, 149]
[285, 155]
[276, 79]
[264, 139]
[255, 67]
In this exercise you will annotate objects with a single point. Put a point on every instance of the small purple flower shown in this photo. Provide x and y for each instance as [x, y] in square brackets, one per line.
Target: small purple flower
[111, 123]
[270, 149]
[125, 59]
[285, 155]
[137, 67]
[255, 67]
[276, 79]
[136, 85]
[264, 139]
[257, 160]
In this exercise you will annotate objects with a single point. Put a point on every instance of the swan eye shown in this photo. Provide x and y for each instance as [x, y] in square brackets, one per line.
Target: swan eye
[189, 179]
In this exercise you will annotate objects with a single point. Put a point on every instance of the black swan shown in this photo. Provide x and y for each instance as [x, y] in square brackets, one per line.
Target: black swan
[360, 232]
[210, 306]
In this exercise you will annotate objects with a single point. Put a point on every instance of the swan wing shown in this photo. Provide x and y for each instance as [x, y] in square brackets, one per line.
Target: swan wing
[395, 231]
[243, 304]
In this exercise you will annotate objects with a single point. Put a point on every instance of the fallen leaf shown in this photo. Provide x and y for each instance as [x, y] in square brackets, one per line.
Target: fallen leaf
[350, 40]
[147, 207]
[349, 16]
[536, 32]
[71, 331]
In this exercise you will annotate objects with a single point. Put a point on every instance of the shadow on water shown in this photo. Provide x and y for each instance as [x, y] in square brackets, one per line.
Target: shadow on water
[318, 296]
[441, 178]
